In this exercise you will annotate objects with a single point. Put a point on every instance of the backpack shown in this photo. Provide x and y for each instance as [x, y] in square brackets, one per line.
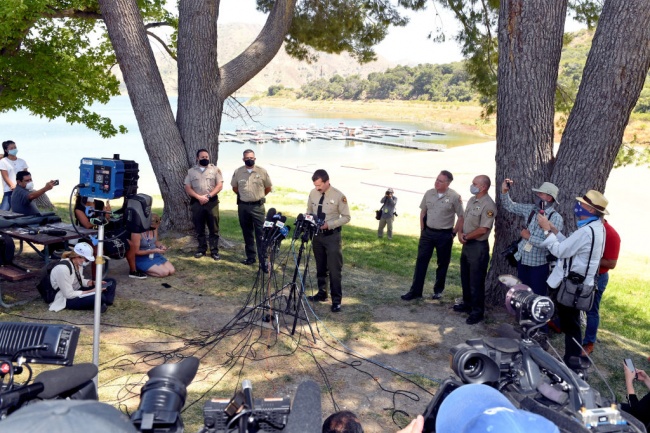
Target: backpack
[7, 249]
[44, 287]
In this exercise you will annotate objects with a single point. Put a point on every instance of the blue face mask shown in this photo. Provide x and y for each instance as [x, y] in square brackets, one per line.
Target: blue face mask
[579, 211]
[13, 152]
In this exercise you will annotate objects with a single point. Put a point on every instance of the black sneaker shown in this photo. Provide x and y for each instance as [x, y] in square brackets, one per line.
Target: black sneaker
[317, 298]
[199, 254]
[410, 296]
[104, 308]
[461, 308]
[215, 256]
[336, 308]
[137, 275]
[248, 261]
[437, 296]
[473, 320]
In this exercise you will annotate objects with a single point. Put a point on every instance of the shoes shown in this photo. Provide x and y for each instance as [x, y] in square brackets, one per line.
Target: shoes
[437, 296]
[215, 256]
[473, 320]
[461, 308]
[317, 298]
[336, 308]
[410, 296]
[199, 254]
[137, 275]
[588, 348]
[553, 327]
[248, 261]
[104, 308]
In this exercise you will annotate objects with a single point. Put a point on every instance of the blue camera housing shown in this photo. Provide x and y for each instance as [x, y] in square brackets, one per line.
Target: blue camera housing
[106, 178]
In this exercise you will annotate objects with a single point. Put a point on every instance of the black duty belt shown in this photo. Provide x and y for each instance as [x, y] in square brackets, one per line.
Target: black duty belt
[251, 203]
[331, 232]
[438, 230]
[474, 241]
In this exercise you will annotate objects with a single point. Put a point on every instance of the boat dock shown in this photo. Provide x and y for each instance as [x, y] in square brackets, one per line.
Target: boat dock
[406, 145]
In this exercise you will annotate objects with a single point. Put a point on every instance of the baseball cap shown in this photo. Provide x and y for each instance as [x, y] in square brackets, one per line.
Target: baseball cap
[67, 416]
[84, 250]
[478, 408]
[548, 188]
[390, 190]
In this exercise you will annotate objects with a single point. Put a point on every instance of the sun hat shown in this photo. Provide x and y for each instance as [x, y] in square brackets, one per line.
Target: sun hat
[67, 416]
[390, 190]
[84, 250]
[548, 188]
[478, 408]
[596, 200]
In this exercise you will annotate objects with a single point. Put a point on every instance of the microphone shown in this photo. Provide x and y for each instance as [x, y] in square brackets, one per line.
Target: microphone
[268, 223]
[306, 410]
[64, 379]
[270, 213]
[247, 387]
[299, 222]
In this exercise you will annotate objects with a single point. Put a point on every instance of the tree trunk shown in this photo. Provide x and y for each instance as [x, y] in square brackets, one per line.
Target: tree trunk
[612, 81]
[161, 137]
[202, 87]
[530, 44]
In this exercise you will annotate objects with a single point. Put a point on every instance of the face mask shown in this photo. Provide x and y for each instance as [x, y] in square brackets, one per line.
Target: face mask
[85, 263]
[249, 162]
[204, 162]
[29, 186]
[474, 189]
[543, 204]
[13, 152]
[579, 211]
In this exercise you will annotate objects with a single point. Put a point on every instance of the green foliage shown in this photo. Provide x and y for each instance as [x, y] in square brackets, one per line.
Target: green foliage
[274, 90]
[55, 66]
[444, 83]
[337, 26]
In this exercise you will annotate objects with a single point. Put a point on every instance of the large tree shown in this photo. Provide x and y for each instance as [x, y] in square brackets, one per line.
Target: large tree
[530, 38]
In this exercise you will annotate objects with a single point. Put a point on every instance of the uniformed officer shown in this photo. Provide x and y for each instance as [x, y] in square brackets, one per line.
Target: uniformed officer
[439, 207]
[202, 183]
[329, 205]
[251, 183]
[475, 256]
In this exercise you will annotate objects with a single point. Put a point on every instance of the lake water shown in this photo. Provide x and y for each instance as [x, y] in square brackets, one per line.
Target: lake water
[53, 149]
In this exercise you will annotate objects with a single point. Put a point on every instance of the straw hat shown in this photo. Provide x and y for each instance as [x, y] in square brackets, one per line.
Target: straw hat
[596, 200]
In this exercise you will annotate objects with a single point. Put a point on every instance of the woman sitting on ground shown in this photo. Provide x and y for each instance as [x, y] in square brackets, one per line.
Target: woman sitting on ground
[149, 251]
[75, 292]
[80, 211]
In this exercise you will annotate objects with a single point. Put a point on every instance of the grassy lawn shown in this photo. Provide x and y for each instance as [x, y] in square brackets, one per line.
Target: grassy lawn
[150, 322]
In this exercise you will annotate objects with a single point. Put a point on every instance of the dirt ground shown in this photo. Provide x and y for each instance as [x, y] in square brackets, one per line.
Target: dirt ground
[351, 359]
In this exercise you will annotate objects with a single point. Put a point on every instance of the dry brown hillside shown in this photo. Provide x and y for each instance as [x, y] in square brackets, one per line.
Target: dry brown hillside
[282, 70]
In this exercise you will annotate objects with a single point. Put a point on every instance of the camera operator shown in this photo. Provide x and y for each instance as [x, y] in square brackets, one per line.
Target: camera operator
[24, 194]
[388, 201]
[638, 408]
[578, 254]
[342, 422]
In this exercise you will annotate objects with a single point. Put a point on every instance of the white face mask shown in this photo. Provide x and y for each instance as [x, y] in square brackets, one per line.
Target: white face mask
[85, 263]
[29, 186]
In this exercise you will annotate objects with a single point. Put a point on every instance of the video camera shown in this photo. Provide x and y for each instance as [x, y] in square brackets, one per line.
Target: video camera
[161, 398]
[529, 377]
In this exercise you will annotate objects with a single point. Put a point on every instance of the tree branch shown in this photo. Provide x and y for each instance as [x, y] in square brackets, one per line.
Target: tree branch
[158, 24]
[73, 13]
[242, 68]
[164, 45]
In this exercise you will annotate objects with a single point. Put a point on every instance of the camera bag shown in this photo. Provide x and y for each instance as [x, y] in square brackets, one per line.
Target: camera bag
[571, 291]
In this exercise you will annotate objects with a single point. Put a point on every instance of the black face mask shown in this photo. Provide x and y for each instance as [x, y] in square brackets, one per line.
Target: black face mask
[249, 162]
[204, 162]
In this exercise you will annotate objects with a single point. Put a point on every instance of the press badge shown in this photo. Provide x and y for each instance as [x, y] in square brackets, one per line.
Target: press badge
[528, 247]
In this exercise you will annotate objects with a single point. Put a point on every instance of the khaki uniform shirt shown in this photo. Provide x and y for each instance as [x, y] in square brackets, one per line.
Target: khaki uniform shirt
[251, 185]
[480, 213]
[441, 211]
[335, 207]
[202, 182]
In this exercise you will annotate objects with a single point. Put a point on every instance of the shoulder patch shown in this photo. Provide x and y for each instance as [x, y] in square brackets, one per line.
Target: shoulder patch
[344, 200]
[490, 214]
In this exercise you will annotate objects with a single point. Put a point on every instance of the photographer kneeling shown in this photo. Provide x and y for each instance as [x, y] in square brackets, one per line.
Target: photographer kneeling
[71, 284]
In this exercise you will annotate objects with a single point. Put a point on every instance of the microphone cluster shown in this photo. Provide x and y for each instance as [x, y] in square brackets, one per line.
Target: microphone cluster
[308, 225]
[275, 228]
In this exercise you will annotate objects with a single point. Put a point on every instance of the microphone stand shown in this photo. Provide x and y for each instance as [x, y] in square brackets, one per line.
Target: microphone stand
[298, 304]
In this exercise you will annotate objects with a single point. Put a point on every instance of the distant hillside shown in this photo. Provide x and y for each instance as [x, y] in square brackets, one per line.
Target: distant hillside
[284, 70]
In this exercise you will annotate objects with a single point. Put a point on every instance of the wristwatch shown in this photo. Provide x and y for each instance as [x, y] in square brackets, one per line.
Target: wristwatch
[209, 195]
[547, 232]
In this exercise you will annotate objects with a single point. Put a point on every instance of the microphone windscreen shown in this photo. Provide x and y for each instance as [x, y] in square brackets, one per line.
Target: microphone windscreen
[270, 213]
[300, 217]
[305, 414]
[65, 379]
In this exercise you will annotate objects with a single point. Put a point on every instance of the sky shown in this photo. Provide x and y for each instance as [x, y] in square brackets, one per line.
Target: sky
[404, 45]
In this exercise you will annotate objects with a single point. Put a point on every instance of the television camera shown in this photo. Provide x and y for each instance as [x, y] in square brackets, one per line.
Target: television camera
[528, 376]
[161, 398]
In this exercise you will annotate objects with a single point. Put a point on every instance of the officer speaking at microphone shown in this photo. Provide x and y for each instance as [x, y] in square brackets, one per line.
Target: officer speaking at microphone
[331, 208]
